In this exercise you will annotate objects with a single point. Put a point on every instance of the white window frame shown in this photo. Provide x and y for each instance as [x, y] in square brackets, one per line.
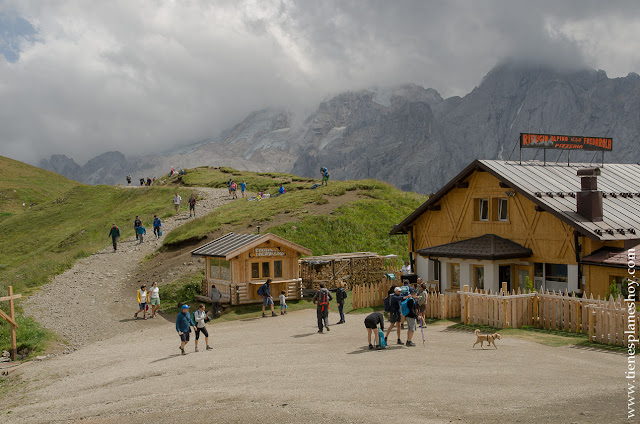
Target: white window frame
[505, 202]
[480, 203]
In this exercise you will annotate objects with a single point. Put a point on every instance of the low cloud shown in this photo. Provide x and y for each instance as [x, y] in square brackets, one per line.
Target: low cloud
[147, 76]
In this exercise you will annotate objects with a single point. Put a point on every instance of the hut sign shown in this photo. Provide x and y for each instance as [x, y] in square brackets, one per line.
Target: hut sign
[262, 252]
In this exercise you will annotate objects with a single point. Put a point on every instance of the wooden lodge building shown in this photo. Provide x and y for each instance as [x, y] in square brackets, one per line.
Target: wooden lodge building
[238, 264]
[565, 227]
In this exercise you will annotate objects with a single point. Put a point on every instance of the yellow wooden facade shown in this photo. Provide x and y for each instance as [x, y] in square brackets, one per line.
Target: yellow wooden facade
[550, 239]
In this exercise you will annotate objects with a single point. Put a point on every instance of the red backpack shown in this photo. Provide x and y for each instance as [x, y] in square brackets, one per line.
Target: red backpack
[323, 300]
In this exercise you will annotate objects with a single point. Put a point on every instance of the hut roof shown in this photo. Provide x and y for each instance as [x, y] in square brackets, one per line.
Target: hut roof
[232, 244]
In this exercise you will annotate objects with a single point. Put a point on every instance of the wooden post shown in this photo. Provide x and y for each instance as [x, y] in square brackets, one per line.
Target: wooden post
[12, 314]
[592, 319]
[465, 318]
[504, 288]
[504, 310]
[536, 319]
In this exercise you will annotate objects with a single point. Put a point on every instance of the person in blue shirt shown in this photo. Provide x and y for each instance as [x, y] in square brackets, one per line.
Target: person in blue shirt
[282, 190]
[243, 187]
[157, 224]
[141, 231]
[183, 327]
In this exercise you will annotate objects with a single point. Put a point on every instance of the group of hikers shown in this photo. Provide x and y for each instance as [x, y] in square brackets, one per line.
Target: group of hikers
[177, 200]
[138, 228]
[184, 321]
[232, 186]
[143, 181]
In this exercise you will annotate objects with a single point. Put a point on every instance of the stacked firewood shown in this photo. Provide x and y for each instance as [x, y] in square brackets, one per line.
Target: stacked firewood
[348, 271]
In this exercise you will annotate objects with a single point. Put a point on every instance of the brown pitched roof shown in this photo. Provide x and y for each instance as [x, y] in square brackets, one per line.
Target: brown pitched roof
[610, 256]
[232, 244]
[487, 247]
[553, 187]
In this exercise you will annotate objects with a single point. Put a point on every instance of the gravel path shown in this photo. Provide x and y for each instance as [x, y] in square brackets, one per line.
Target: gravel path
[86, 303]
[279, 370]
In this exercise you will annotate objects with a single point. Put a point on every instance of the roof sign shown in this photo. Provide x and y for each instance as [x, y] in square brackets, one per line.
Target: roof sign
[565, 142]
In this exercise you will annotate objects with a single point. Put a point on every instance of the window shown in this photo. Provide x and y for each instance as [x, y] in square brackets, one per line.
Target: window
[266, 270]
[277, 269]
[622, 284]
[556, 277]
[478, 277]
[220, 269]
[455, 276]
[483, 211]
[255, 270]
[503, 214]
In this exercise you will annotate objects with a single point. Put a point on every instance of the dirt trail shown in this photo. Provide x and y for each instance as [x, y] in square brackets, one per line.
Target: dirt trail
[86, 302]
[280, 370]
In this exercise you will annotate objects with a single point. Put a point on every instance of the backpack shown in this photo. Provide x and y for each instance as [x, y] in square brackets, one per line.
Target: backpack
[381, 338]
[387, 303]
[422, 300]
[323, 300]
[341, 294]
[262, 290]
[404, 307]
[405, 290]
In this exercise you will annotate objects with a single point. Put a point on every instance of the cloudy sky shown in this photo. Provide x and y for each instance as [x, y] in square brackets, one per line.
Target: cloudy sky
[84, 77]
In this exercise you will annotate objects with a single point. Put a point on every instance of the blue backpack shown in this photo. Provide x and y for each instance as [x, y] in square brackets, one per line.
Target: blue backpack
[381, 338]
[404, 307]
[262, 291]
[405, 290]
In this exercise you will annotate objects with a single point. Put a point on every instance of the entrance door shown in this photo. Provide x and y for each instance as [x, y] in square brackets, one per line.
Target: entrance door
[504, 272]
[522, 272]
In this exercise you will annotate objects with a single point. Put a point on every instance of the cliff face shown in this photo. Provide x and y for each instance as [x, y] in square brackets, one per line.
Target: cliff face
[410, 136]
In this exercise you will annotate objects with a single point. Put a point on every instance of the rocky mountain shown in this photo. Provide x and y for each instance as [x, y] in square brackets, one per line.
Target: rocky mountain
[409, 135]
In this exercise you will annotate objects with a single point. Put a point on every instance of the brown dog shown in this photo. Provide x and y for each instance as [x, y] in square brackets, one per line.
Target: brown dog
[489, 338]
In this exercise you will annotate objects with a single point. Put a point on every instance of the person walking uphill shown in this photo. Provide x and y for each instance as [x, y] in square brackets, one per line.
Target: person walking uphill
[114, 233]
[183, 327]
[321, 299]
[141, 232]
[267, 299]
[341, 296]
[136, 224]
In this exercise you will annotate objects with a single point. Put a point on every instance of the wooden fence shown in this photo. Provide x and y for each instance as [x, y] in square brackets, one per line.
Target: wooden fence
[604, 321]
[369, 294]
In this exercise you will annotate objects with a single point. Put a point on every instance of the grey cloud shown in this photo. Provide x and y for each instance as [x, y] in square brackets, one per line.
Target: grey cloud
[148, 76]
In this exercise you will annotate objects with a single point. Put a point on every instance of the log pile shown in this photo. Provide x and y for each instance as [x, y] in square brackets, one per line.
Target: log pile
[347, 269]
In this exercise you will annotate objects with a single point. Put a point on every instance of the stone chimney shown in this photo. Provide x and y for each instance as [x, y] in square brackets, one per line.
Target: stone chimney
[589, 197]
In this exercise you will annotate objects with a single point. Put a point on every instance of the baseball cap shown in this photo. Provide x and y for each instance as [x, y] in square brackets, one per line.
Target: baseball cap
[397, 289]
[185, 306]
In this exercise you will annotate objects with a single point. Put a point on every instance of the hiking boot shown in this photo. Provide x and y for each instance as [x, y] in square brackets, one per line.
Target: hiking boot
[285, 312]
[209, 347]
[400, 342]
[182, 350]
[385, 340]
[380, 347]
[410, 343]
[264, 315]
[281, 312]
[196, 349]
[327, 327]
[320, 331]
[370, 347]
[273, 314]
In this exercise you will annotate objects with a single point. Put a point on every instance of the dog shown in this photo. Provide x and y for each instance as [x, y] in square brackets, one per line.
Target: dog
[489, 338]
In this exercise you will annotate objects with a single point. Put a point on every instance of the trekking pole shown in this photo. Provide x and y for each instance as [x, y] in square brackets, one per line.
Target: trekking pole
[421, 329]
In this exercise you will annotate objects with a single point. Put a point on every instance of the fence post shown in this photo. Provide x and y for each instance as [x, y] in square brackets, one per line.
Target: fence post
[465, 305]
[592, 319]
[504, 310]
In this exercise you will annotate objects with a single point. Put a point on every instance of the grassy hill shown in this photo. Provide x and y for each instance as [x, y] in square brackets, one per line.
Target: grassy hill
[362, 223]
[25, 184]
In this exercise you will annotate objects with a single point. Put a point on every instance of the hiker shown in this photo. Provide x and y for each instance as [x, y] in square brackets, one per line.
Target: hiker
[215, 300]
[406, 268]
[183, 327]
[136, 224]
[229, 186]
[142, 302]
[154, 298]
[243, 187]
[422, 301]
[321, 299]
[341, 295]
[157, 224]
[192, 205]
[176, 201]
[371, 323]
[148, 181]
[283, 302]
[410, 312]
[141, 232]
[141, 182]
[114, 233]
[395, 315]
[282, 190]
[173, 171]
[324, 172]
[233, 190]
[129, 179]
[201, 318]
[405, 291]
[265, 291]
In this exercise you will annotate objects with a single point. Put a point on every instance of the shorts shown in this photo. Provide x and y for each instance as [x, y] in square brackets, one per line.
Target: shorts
[184, 337]
[370, 324]
[266, 301]
[283, 306]
[192, 207]
[143, 306]
[394, 317]
[203, 330]
[422, 309]
[155, 301]
[232, 189]
[411, 323]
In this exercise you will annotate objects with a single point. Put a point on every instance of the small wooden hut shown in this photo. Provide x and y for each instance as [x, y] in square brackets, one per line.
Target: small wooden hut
[238, 264]
[348, 268]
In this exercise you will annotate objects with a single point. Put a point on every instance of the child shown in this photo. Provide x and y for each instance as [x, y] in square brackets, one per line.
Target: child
[142, 302]
[283, 303]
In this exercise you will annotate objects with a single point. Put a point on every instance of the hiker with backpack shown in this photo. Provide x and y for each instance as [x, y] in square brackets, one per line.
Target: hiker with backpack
[405, 290]
[200, 318]
[267, 300]
[322, 299]
[408, 308]
[324, 172]
[341, 295]
[114, 233]
[136, 224]
[394, 313]
[192, 205]
[141, 232]
[371, 323]
[129, 179]
[157, 225]
[422, 301]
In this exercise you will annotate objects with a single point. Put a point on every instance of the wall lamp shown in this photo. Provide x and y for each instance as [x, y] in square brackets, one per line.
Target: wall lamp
[510, 193]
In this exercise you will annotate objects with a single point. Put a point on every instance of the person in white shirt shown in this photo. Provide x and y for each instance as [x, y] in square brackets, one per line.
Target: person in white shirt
[200, 317]
[406, 268]
[154, 298]
[283, 303]
[176, 201]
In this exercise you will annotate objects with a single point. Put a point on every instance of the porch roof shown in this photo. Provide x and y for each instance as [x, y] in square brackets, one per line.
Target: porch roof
[610, 256]
[487, 247]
